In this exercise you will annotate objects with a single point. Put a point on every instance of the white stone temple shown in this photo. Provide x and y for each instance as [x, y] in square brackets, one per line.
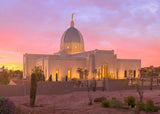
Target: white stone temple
[71, 56]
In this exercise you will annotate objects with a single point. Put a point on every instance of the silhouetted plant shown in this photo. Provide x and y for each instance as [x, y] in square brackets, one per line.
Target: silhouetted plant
[4, 78]
[39, 73]
[139, 90]
[33, 89]
[50, 78]
[86, 72]
[99, 99]
[106, 103]
[130, 101]
[80, 71]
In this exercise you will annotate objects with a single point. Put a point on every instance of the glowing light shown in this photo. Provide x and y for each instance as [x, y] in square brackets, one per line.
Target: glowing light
[57, 72]
[12, 67]
[69, 74]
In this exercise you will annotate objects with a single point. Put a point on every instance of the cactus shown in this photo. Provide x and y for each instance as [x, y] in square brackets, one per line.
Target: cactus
[33, 89]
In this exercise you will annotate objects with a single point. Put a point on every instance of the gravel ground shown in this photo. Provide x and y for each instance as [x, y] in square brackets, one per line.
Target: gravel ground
[77, 102]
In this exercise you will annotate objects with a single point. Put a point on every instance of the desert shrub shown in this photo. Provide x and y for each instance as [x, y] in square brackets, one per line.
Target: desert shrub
[149, 106]
[140, 105]
[116, 104]
[18, 110]
[106, 103]
[113, 98]
[6, 106]
[130, 101]
[99, 99]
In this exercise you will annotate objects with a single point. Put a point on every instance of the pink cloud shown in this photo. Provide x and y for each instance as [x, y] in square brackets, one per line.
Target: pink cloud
[128, 27]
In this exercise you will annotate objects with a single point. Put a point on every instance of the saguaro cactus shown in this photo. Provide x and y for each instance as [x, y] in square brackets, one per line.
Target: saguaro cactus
[33, 89]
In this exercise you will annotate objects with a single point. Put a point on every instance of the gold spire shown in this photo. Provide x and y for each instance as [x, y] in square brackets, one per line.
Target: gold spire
[72, 22]
[72, 16]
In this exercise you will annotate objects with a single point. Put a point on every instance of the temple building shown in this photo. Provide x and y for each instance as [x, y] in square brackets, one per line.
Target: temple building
[72, 57]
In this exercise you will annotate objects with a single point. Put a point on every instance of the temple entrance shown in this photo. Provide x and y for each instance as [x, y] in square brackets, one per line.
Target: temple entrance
[69, 73]
[104, 71]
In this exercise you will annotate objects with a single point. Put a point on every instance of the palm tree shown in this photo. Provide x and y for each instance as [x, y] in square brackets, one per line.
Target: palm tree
[94, 72]
[80, 71]
[86, 72]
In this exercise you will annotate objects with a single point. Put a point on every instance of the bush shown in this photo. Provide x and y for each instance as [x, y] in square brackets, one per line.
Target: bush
[99, 99]
[140, 105]
[130, 101]
[116, 104]
[106, 103]
[113, 98]
[149, 106]
[6, 106]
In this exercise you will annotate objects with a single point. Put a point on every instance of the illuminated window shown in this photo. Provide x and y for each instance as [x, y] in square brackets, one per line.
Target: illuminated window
[67, 47]
[69, 74]
[103, 71]
[75, 46]
[57, 73]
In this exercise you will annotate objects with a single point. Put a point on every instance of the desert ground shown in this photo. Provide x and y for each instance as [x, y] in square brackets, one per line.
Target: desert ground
[77, 102]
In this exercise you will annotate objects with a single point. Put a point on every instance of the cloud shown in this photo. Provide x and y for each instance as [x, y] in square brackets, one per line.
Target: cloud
[129, 27]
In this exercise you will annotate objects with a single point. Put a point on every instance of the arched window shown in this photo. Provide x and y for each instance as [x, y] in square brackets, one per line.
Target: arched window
[125, 73]
[134, 73]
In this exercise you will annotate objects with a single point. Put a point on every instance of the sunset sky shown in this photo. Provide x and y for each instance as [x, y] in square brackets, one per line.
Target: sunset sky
[129, 27]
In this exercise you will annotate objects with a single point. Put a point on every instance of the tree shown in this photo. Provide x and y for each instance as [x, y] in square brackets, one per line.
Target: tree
[86, 72]
[39, 73]
[109, 75]
[151, 75]
[80, 71]
[157, 70]
[139, 90]
[4, 78]
[131, 74]
[95, 72]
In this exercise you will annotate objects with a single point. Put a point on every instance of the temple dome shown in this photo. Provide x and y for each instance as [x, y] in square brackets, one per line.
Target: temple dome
[72, 35]
[72, 41]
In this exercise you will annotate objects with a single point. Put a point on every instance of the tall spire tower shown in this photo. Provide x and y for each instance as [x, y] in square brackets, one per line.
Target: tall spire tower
[72, 22]
[72, 40]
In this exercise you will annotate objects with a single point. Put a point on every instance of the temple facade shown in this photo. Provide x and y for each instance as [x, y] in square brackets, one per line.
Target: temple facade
[74, 62]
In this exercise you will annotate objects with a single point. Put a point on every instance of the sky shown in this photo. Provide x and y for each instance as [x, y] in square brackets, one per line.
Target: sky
[129, 27]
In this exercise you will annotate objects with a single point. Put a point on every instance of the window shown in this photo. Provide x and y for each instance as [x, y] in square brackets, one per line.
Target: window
[69, 74]
[57, 74]
[134, 73]
[125, 73]
[67, 47]
[75, 46]
[103, 71]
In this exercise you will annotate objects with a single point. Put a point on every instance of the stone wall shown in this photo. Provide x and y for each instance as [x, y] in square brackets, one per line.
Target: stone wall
[116, 84]
[48, 88]
[44, 88]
